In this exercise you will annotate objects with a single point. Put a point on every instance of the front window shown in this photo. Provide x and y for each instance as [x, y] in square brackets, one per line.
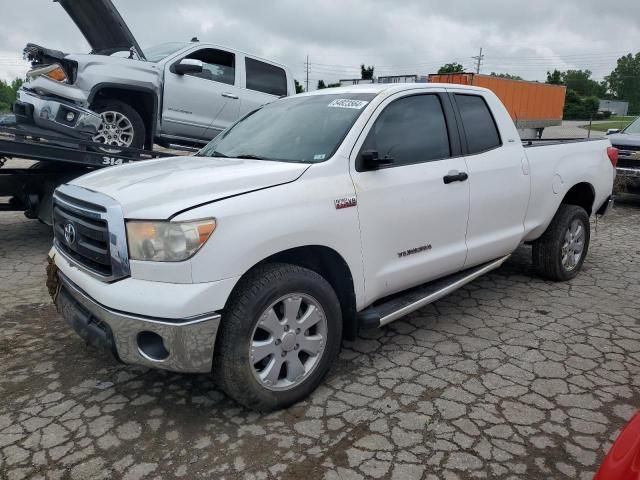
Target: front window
[307, 129]
[217, 65]
[160, 52]
[634, 128]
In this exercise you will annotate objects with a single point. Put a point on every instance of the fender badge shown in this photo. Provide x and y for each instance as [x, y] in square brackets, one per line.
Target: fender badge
[413, 251]
[345, 202]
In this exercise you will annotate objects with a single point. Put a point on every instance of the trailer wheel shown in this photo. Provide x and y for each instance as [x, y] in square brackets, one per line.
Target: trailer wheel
[560, 252]
[122, 126]
[278, 337]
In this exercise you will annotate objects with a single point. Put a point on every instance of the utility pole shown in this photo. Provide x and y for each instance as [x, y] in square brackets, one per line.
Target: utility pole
[307, 71]
[479, 59]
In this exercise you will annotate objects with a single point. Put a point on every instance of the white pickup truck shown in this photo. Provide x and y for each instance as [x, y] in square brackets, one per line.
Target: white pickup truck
[309, 218]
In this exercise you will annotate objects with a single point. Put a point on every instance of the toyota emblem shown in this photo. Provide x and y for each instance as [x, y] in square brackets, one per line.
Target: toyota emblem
[69, 233]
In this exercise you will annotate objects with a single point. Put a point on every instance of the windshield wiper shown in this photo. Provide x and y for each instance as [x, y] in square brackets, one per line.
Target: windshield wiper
[248, 156]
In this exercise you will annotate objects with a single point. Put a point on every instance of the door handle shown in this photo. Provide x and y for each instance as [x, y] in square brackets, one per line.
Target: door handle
[230, 95]
[455, 176]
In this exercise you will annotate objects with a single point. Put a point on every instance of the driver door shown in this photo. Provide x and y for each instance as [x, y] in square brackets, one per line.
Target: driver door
[412, 223]
[200, 105]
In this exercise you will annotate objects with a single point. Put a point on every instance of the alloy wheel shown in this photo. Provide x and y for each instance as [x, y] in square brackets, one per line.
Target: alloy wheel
[116, 129]
[288, 341]
[573, 246]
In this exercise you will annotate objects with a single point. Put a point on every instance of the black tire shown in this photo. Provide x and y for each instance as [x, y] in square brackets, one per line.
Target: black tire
[232, 368]
[548, 249]
[139, 129]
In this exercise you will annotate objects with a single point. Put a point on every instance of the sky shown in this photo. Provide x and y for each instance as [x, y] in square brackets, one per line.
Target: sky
[524, 38]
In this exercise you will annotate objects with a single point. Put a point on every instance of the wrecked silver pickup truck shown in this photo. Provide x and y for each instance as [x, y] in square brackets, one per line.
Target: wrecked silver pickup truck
[126, 96]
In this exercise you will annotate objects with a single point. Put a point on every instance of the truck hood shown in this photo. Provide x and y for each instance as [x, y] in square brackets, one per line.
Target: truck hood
[159, 189]
[625, 139]
[102, 25]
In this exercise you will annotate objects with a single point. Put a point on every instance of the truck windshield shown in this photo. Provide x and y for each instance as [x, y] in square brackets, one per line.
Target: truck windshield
[634, 127]
[160, 52]
[307, 129]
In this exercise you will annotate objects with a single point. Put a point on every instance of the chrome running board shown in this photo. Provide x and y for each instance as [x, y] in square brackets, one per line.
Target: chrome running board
[403, 303]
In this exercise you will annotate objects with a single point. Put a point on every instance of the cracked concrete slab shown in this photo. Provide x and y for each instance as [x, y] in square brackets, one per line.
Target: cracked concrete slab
[510, 377]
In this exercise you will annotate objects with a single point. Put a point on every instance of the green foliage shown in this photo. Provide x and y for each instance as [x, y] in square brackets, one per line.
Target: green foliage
[577, 107]
[506, 75]
[366, 72]
[8, 93]
[451, 68]
[554, 78]
[624, 81]
[299, 87]
[333, 85]
[321, 84]
[581, 82]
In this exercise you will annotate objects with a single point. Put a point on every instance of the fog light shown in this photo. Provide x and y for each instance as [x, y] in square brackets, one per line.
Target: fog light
[71, 116]
[152, 347]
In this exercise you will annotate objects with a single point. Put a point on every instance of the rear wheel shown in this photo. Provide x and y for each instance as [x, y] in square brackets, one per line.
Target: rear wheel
[560, 252]
[122, 126]
[278, 337]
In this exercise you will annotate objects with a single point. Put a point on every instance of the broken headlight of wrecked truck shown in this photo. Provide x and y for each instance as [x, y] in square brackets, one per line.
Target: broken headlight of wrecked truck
[164, 241]
[53, 72]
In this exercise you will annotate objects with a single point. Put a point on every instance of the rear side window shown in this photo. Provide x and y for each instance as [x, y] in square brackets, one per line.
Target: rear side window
[266, 78]
[411, 130]
[479, 125]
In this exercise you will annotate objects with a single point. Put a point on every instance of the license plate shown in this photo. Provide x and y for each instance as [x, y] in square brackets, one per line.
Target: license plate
[53, 281]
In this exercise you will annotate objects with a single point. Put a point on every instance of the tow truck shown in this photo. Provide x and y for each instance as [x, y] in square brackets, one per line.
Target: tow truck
[55, 160]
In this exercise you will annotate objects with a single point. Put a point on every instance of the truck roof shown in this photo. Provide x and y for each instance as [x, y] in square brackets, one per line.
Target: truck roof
[390, 88]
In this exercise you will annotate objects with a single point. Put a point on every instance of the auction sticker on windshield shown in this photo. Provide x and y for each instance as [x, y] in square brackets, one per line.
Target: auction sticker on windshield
[348, 103]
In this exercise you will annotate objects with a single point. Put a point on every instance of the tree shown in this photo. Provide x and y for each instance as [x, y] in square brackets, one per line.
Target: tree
[321, 84]
[8, 93]
[555, 77]
[506, 75]
[366, 72]
[582, 83]
[333, 85]
[299, 87]
[451, 68]
[577, 107]
[624, 81]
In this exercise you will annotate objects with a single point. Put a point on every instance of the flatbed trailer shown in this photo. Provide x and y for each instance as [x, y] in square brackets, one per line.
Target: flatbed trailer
[57, 161]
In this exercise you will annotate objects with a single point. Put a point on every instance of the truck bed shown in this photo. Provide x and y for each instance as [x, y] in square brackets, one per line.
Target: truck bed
[528, 143]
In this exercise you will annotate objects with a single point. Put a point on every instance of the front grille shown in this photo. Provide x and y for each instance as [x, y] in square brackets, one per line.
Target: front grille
[89, 230]
[630, 148]
[624, 162]
[628, 151]
[88, 245]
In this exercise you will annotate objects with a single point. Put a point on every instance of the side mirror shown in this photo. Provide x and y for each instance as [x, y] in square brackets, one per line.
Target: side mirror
[611, 131]
[371, 159]
[188, 65]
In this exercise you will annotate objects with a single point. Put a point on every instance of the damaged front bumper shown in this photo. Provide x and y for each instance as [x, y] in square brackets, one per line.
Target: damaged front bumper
[34, 112]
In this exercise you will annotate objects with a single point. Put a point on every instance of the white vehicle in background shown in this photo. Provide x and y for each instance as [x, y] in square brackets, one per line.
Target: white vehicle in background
[125, 96]
[311, 217]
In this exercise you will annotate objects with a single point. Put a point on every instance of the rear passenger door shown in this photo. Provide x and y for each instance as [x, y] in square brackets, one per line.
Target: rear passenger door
[498, 180]
[412, 223]
[264, 83]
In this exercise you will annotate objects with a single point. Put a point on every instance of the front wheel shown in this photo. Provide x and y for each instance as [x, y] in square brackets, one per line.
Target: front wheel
[122, 126]
[560, 252]
[278, 337]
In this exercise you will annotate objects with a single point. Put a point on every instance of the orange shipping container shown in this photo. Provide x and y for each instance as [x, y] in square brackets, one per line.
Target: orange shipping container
[530, 104]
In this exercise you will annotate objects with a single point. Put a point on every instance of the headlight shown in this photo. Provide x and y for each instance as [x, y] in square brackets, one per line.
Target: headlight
[54, 72]
[164, 241]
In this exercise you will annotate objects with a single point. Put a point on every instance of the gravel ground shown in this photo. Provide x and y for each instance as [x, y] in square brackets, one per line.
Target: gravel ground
[510, 377]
